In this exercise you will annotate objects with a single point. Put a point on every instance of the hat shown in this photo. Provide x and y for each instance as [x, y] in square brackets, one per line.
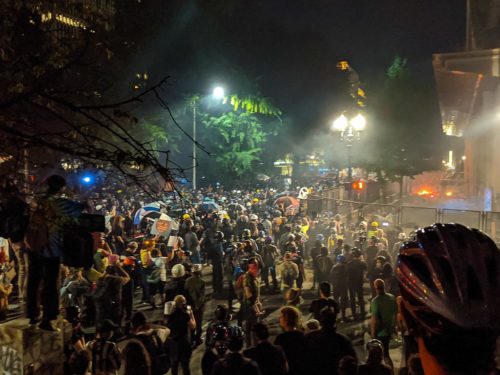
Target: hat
[197, 268]
[107, 325]
[133, 245]
[178, 271]
[401, 236]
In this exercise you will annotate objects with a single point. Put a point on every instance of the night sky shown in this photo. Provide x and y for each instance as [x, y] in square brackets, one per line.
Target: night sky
[290, 47]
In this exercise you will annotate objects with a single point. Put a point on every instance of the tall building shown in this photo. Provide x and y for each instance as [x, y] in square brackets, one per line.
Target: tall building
[468, 86]
[67, 18]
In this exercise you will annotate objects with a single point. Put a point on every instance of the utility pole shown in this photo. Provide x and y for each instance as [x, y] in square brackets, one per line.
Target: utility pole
[194, 144]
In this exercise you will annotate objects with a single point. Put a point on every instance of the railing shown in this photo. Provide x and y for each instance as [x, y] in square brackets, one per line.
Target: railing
[406, 217]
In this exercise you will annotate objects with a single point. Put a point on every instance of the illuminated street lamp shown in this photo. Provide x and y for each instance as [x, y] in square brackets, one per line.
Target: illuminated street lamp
[349, 130]
[218, 93]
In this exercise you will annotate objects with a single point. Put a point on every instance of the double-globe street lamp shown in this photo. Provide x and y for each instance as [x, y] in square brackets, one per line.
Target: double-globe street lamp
[218, 94]
[349, 129]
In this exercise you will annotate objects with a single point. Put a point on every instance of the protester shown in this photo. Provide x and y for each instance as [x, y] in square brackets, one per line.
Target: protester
[323, 267]
[348, 366]
[293, 341]
[356, 269]
[374, 365]
[234, 362]
[156, 277]
[180, 322]
[270, 358]
[327, 347]
[289, 272]
[217, 338]
[153, 339]
[108, 294]
[106, 358]
[383, 321]
[195, 293]
[44, 240]
[176, 286]
[338, 277]
[293, 298]
[269, 255]
[251, 305]
[324, 300]
[137, 359]
[79, 363]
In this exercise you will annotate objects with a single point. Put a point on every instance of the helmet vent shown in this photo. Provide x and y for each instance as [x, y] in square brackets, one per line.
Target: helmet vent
[473, 288]
[446, 272]
[421, 269]
[491, 268]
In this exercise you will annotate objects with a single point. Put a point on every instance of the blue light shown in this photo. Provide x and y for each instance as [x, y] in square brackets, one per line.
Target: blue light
[87, 179]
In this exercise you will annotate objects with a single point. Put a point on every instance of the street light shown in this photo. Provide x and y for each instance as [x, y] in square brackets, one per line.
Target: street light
[350, 130]
[217, 94]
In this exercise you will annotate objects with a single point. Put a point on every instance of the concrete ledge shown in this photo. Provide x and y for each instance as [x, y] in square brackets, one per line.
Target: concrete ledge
[29, 351]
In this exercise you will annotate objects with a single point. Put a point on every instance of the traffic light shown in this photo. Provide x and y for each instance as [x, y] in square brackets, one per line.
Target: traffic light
[358, 185]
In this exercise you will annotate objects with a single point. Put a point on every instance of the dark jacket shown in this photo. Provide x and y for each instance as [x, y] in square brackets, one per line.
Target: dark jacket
[326, 349]
[235, 363]
[270, 358]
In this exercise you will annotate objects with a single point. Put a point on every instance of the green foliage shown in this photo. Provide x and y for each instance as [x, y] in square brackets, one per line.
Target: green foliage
[238, 138]
[405, 134]
[253, 104]
[397, 68]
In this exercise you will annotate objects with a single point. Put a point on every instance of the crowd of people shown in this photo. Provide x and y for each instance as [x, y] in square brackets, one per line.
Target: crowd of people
[438, 286]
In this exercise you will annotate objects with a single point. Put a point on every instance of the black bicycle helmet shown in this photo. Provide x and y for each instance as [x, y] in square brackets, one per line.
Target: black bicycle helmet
[449, 276]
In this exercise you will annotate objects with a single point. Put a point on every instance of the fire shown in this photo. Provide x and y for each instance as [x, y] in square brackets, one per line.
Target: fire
[424, 192]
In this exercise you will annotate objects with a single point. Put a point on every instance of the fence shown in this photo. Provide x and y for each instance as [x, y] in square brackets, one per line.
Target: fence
[406, 217]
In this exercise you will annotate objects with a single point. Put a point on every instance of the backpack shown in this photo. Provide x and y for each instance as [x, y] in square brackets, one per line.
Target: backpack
[160, 359]
[290, 274]
[154, 275]
[37, 231]
[78, 247]
[323, 265]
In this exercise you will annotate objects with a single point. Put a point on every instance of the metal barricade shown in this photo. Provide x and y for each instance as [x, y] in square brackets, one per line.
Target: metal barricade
[395, 217]
[469, 218]
[492, 225]
[412, 217]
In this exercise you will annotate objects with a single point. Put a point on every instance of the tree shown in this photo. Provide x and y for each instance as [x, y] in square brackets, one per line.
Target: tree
[237, 140]
[405, 137]
[59, 61]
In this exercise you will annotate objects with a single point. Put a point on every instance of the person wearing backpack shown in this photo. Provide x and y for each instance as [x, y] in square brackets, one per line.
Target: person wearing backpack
[108, 294]
[323, 266]
[44, 242]
[157, 276]
[289, 272]
[180, 322]
[106, 358]
[154, 341]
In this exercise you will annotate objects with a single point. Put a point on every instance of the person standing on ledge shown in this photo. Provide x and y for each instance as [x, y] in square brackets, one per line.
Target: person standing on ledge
[44, 243]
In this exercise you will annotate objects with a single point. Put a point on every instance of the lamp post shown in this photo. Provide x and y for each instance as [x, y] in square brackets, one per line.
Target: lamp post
[349, 130]
[218, 94]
